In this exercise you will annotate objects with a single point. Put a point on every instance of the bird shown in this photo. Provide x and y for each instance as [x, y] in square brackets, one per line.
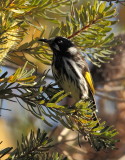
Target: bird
[71, 70]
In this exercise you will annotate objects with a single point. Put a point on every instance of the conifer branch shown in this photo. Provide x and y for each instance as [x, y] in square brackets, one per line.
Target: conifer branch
[89, 28]
[37, 147]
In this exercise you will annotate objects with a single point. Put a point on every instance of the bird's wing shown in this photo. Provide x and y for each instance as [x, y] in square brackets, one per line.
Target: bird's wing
[89, 80]
[86, 73]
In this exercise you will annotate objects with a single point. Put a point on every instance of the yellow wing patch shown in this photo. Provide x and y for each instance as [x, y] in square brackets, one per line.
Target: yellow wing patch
[89, 81]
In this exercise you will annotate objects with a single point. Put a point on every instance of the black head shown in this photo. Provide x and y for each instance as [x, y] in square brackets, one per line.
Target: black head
[59, 44]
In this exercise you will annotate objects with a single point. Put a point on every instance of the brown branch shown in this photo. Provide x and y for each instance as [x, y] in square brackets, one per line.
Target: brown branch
[64, 141]
[112, 80]
[82, 29]
[111, 98]
[111, 89]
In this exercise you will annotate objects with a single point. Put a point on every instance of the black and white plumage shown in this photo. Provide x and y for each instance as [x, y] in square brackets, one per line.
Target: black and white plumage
[69, 68]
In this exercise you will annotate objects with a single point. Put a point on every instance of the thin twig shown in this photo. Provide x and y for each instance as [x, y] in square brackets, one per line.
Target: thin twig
[112, 80]
[81, 30]
[111, 98]
[111, 89]
[63, 142]
[5, 109]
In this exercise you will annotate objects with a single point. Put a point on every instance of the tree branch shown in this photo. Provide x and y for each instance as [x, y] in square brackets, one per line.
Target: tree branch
[82, 29]
[111, 98]
[112, 80]
[111, 89]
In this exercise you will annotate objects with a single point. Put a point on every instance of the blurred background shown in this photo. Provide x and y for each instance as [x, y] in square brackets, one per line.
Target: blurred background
[109, 80]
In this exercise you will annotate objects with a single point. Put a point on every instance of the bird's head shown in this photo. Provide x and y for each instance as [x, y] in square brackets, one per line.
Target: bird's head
[61, 45]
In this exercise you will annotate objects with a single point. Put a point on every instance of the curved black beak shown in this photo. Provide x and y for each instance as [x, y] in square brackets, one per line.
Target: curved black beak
[45, 40]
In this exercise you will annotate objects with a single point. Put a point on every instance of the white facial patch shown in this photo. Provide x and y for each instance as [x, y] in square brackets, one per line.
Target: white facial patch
[57, 47]
[72, 50]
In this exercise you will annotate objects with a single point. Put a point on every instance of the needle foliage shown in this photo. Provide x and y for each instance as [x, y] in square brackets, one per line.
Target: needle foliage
[37, 147]
[90, 28]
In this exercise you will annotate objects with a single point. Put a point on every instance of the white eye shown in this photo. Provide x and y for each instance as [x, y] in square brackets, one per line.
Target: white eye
[60, 41]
